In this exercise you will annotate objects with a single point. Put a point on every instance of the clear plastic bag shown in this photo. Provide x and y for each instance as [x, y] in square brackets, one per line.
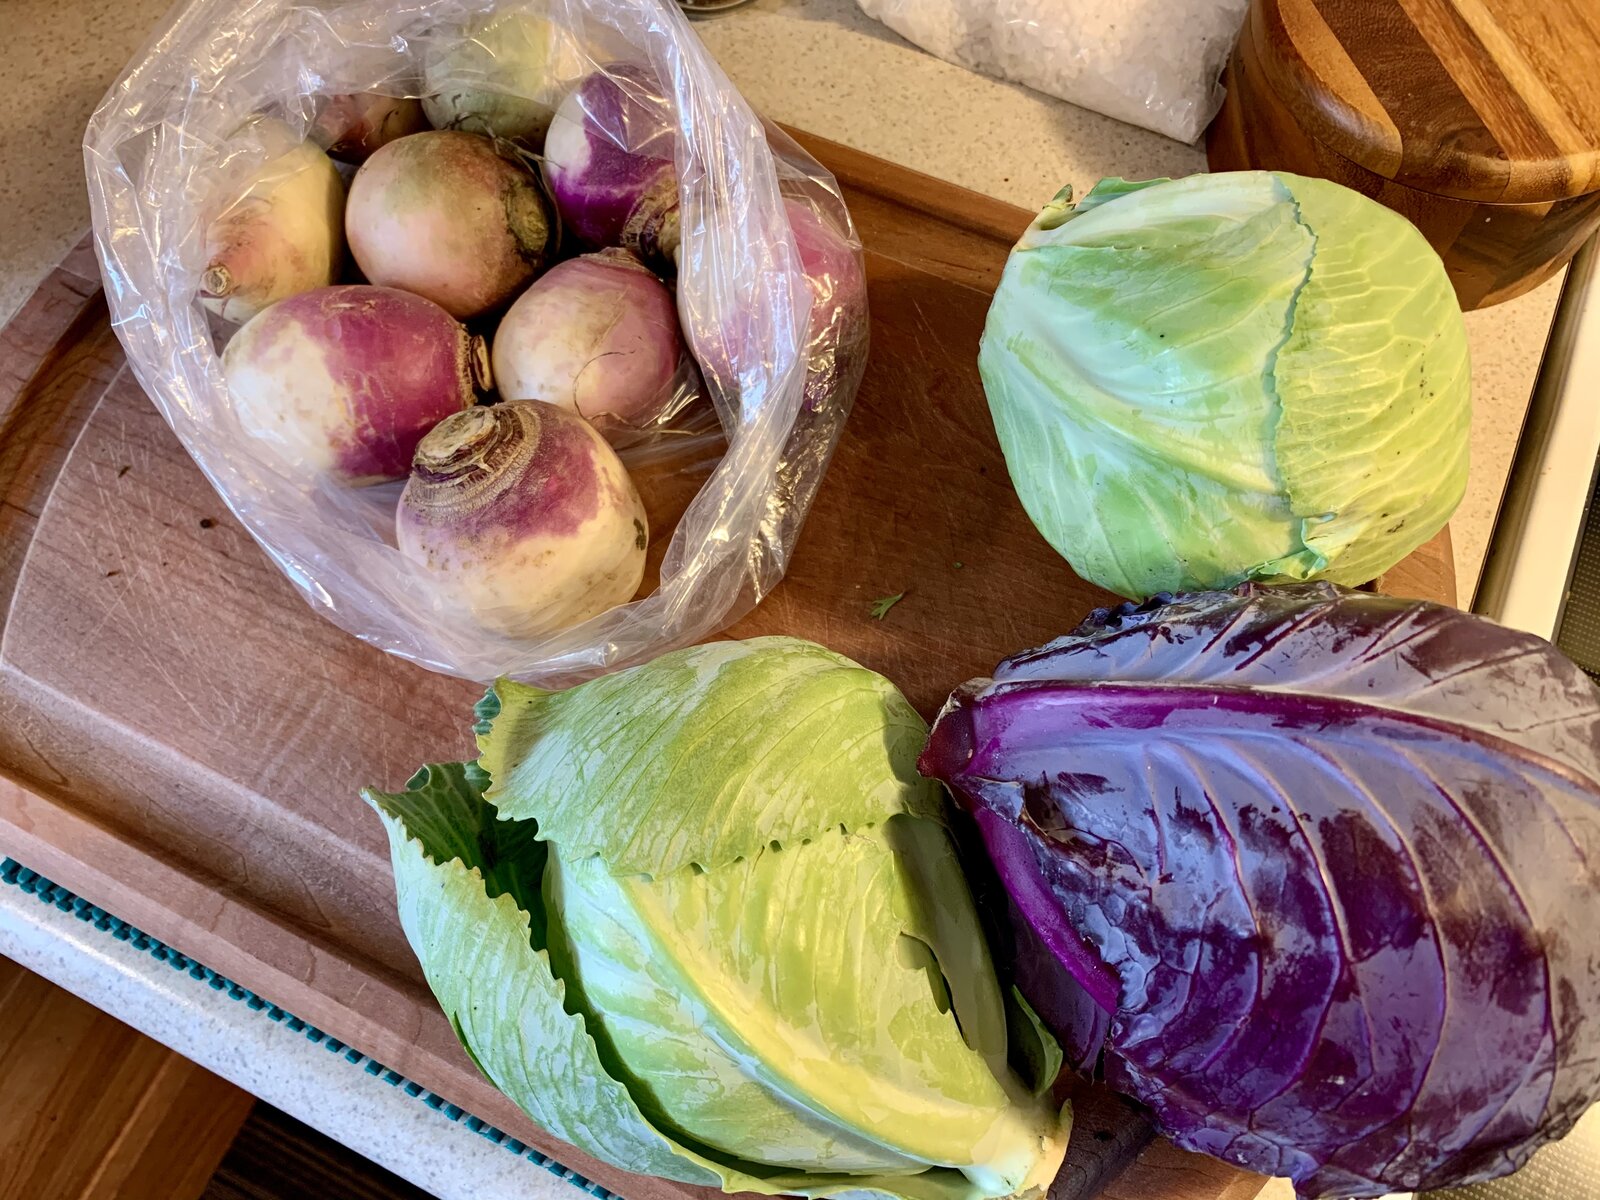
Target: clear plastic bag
[1153, 63]
[780, 347]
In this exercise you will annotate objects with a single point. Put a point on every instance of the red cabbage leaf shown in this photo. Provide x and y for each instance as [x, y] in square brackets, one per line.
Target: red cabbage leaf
[1325, 863]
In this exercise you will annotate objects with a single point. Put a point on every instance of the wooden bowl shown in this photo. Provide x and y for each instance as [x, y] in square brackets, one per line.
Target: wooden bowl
[1478, 122]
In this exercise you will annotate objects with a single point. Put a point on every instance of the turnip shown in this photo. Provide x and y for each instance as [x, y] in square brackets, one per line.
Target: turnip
[526, 512]
[836, 335]
[279, 233]
[835, 344]
[609, 163]
[351, 127]
[503, 76]
[597, 335]
[346, 380]
[444, 215]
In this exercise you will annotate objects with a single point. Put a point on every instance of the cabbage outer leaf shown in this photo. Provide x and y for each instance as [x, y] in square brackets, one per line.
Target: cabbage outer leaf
[1372, 463]
[825, 1020]
[476, 949]
[468, 889]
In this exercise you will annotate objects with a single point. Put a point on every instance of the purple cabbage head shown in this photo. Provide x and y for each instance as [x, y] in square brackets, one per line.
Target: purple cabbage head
[1316, 872]
[609, 162]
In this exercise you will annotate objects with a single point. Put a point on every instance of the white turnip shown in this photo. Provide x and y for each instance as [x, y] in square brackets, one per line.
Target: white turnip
[527, 514]
[280, 233]
[609, 163]
[346, 380]
[597, 335]
[503, 76]
[442, 214]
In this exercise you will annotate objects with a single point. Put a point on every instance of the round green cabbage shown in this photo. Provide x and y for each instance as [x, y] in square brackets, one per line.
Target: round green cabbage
[1250, 375]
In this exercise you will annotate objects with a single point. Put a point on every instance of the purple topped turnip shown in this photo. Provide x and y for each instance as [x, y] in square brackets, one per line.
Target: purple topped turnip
[442, 214]
[597, 335]
[836, 334]
[609, 161]
[526, 511]
[346, 380]
[281, 233]
[351, 127]
[836, 331]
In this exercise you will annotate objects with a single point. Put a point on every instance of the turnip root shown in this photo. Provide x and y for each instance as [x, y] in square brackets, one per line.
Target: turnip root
[442, 214]
[351, 127]
[835, 337]
[609, 163]
[281, 233]
[836, 334]
[503, 77]
[346, 380]
[525, 511]
[597, 335]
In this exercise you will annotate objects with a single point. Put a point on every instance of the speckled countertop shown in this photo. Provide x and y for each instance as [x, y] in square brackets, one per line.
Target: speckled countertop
[816, 64]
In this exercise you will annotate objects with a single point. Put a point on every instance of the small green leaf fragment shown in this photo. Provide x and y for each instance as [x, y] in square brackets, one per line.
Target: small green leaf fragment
[881, 606]
[485, 711]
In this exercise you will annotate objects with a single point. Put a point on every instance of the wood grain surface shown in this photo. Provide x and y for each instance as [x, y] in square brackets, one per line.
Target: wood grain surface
[1479, 123]
[181, 739]
[1496, 102]
[93, 1110]
[275, 1157]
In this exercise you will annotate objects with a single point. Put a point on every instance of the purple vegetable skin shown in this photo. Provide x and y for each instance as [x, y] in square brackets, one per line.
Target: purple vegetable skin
[835, 347]
[836, 335]
[351, 127]
[346, 380]
[1341, 853]
[609, 163]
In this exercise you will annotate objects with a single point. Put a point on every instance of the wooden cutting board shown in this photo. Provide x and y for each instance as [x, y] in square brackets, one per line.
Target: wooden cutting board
[181, 739]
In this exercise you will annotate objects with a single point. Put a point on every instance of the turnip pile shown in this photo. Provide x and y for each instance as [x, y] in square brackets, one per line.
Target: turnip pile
[539, 216]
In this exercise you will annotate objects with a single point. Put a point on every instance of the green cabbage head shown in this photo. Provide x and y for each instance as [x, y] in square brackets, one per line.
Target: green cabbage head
[703, 920]
[1249, 375]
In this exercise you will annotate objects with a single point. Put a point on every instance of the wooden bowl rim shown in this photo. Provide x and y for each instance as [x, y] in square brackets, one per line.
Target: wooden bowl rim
[1347, 128]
